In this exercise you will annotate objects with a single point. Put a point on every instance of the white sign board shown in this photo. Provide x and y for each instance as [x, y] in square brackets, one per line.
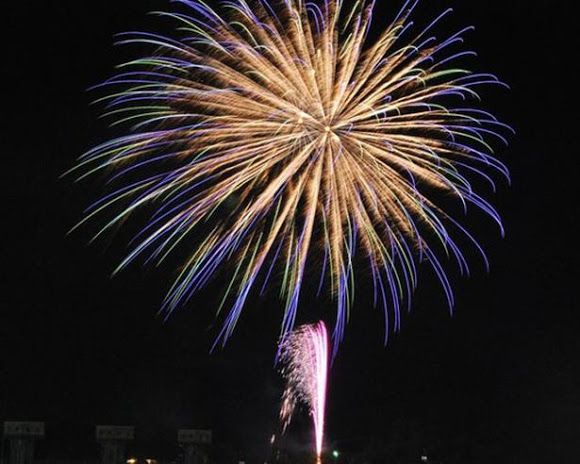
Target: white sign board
[115, 432]
[198, 437]
[23, 429]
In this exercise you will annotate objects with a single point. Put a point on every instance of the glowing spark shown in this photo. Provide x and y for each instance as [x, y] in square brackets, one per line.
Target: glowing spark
[277, 142]
[304, 356]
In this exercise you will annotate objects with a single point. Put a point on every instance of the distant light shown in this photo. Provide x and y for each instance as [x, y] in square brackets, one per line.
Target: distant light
[131, 461]
[424, 458]
[272, 439]
[335, 454]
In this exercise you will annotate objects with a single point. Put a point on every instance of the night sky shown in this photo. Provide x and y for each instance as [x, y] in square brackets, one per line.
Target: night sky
[497, 382]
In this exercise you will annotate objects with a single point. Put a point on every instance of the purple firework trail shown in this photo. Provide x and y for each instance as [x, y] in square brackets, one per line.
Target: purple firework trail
[304, 357]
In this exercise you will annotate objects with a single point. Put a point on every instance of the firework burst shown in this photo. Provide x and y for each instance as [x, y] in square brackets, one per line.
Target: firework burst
[287, 143]
[304, 357]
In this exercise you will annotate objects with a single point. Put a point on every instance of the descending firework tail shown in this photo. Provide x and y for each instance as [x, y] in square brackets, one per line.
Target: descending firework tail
[304, 359]
[272, 142]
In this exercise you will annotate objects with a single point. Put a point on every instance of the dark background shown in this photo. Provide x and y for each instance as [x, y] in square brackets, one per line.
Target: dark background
[497, 382]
